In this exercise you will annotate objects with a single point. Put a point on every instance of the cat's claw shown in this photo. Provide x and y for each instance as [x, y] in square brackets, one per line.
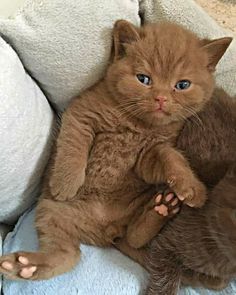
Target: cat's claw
[167, 204]
[189, 190]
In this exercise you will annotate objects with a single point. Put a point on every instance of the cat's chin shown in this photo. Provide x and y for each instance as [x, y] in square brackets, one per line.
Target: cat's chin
[160, 114]
[162, 118]
[159, 119]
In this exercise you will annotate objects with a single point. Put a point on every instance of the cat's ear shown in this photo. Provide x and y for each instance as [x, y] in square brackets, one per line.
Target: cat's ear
[123, 33]
[215, 50]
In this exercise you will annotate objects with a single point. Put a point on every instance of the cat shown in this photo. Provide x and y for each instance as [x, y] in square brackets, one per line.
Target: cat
[198, 247]
[116, 143]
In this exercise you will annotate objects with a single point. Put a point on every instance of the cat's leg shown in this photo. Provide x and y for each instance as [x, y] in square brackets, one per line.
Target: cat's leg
[138, 255]
[181, 178]
[195, 279]
[162, 163]
[70, 158]
[143, 227]
[60, 228]
[165, 273]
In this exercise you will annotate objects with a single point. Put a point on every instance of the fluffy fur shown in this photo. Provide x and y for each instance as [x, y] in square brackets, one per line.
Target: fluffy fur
[198, 247]
[116, 143]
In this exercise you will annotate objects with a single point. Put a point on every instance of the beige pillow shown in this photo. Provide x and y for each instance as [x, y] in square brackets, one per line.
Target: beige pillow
[65, 45]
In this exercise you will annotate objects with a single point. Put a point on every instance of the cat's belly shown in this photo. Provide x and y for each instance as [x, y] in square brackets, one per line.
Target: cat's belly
[111, 164]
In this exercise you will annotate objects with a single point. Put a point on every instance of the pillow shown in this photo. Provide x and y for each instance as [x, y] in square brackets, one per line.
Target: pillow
[193, 17]
[65, 45]
[25, 127]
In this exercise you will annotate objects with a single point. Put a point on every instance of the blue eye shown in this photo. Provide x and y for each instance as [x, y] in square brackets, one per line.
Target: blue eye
[144, 79]
[183, 84]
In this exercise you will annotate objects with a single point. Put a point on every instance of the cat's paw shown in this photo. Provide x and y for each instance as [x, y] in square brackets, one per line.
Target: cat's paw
[65, 187]
[24, 265]
[189, 190]
[167, 204]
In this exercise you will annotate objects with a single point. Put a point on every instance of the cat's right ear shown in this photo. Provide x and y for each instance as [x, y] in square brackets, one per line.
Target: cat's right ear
[215, 50]
[123, 33]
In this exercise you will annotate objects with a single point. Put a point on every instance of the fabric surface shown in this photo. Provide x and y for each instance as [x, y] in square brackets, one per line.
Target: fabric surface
[193, 17]
[65, 45]
[100, 272]
[4, 229]
[25, 126]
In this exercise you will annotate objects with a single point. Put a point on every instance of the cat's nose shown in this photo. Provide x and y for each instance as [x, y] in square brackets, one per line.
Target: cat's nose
[161, 100]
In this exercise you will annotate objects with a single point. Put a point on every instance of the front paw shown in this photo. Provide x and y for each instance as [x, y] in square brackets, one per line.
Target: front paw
[64, 187]
[189, 190]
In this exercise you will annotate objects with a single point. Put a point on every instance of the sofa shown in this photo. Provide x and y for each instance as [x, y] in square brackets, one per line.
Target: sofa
[49, 52]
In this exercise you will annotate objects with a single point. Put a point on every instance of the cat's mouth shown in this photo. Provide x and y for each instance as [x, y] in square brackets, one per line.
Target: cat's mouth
[160, 111]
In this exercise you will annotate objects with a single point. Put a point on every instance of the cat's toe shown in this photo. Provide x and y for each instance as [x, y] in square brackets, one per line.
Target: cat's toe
[198, 198]
[27, 272]
[17, 266]
[162, 210]
[8, 266]
[167, 204]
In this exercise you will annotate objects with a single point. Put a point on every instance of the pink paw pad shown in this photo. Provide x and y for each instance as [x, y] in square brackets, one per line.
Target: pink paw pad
[167, 204]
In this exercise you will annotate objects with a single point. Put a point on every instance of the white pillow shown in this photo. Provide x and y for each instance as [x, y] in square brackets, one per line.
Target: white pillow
[25, 126]
[65, 44]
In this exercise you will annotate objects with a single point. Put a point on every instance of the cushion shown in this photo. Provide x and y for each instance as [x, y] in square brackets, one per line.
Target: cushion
[100, 271]
[189, 14]
[26, 124]
[65, 45]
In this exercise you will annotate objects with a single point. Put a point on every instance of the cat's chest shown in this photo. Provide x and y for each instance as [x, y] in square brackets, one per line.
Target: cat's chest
[117, 149]
[113, 157]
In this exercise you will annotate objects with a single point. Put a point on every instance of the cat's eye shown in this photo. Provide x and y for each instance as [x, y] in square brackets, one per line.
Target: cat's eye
[144, 79]
[182, 84]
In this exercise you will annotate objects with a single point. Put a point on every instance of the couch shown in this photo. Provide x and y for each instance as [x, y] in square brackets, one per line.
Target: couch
[49, 52]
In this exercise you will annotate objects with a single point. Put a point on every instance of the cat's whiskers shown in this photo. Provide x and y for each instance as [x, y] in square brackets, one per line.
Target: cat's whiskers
[182, 117]
[133, 107]
[194, 116]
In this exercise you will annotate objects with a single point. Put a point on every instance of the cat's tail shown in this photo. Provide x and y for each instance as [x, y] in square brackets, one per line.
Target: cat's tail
[165, 272]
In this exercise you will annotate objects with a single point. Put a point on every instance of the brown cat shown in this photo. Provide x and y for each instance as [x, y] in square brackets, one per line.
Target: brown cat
[116, 143]
[198, 247]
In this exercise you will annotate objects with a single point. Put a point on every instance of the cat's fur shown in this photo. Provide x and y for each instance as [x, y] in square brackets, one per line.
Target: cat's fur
[198, 247]
[114, 147]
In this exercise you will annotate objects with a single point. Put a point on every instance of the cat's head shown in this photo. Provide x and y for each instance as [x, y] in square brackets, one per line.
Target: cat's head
[162, 72]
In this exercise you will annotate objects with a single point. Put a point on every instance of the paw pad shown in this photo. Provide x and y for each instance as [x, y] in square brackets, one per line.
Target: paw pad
[167, 205]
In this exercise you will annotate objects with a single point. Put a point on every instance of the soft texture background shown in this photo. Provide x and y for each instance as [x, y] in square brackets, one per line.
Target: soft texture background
[8, 7]
[25, 126]
[223, 11]
[65, 45]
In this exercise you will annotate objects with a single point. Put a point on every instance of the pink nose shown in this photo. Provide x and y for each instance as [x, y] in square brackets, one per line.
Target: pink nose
[161, 100]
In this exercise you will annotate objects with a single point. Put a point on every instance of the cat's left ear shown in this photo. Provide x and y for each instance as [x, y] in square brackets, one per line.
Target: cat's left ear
[216, 49]
[123, 33]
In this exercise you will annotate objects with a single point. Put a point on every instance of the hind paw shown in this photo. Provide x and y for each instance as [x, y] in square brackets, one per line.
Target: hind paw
[167, 204]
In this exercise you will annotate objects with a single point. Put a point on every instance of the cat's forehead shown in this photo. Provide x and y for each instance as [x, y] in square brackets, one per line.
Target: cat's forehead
[168, 47]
